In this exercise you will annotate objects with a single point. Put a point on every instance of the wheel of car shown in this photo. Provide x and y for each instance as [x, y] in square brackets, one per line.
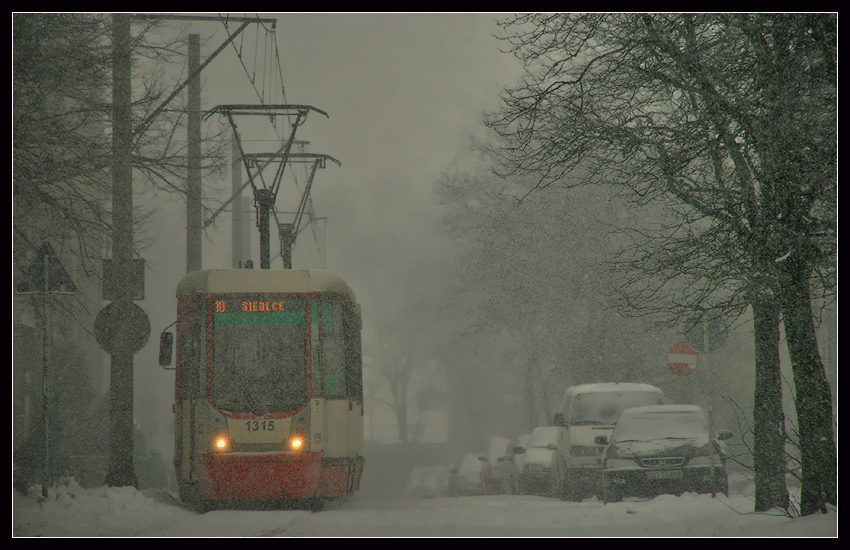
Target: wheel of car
[507, 487]
[724, 486]
[554, 489]
[570, 493]
[610, 493]
[562, 492]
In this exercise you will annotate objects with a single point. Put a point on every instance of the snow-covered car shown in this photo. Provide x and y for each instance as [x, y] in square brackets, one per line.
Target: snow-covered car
[663, 449]
[429, 481]
[588, 411]
[491, 477]
[539, 474]
[511, 464]
[466, 478]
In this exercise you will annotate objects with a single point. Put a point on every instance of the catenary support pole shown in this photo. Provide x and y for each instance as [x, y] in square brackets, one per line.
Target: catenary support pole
[121, 471]
[194, 220]
[236, 253]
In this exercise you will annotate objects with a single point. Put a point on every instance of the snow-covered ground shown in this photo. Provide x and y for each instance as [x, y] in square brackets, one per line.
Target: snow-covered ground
[72, 511]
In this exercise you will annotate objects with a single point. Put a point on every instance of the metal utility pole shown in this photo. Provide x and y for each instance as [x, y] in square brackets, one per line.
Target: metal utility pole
[287, 239]
[121, 471]
[236, 254]
[194, 219]
[246, 231]
[265, 202]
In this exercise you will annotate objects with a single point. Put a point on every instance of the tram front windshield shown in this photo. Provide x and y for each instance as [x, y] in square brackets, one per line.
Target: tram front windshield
[259, 353]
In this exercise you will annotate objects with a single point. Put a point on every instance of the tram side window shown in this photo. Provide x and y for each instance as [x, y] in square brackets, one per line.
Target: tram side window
[333, 350]
[353, 357]
[315, 345]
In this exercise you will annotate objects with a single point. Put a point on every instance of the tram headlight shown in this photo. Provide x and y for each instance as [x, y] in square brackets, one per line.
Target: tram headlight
[296, 442]
[221, 442]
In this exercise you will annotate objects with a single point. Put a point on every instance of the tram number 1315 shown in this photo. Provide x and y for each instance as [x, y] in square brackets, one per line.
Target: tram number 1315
[260, 426]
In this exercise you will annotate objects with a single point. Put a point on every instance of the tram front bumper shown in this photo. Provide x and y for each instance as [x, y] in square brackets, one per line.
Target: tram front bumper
[260, 475]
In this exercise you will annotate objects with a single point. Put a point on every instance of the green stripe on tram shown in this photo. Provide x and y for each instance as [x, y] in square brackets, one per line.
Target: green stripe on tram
[261, 318]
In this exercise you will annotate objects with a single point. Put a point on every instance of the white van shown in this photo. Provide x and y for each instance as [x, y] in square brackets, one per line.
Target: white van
[588, 411]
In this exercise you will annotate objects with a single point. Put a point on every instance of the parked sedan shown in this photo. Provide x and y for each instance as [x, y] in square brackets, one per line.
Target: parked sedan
[663, 449]
[538, 475]
[466, 478]
[491, 477]
[512, 463]
[429, 481]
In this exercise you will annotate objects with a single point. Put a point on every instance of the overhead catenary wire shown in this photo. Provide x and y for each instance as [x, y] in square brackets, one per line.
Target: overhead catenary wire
[268, 89]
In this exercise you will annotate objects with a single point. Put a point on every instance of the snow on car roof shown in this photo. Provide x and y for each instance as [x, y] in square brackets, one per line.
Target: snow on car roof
[542, 436]
[611, 386]
[663, 409]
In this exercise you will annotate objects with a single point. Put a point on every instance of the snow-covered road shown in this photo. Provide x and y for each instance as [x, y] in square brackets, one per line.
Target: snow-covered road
[75, 512]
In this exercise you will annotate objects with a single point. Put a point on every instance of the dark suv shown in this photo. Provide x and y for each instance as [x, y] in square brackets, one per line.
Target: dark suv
[663, 449]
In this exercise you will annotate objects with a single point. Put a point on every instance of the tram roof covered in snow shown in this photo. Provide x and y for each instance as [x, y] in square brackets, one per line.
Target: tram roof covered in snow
[264, 281]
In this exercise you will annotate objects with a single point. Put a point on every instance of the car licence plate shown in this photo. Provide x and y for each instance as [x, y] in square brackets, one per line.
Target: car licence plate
[664, 474]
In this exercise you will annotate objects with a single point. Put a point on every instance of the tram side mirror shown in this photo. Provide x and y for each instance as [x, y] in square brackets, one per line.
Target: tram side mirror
[166, 343]
[559, 420]
[601, 439]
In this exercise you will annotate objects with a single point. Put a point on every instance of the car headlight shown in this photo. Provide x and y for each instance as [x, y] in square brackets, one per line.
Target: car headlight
[704, 460]
[619, 463]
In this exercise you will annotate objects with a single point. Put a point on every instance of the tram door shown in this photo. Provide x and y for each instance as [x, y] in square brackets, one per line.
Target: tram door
[188, 388]
[333, 380]
[342, 385]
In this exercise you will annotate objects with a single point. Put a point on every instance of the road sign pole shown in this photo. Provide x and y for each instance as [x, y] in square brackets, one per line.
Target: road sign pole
[45, 363]
[38, 280]
[709, 378]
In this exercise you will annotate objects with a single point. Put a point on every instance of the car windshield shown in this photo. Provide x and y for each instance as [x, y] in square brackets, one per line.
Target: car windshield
[498, 447]
[604, 407]
[655, 425]
[470, 464]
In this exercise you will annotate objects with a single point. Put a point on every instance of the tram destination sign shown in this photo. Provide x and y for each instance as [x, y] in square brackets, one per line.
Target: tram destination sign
[259, 304]
[242, 309]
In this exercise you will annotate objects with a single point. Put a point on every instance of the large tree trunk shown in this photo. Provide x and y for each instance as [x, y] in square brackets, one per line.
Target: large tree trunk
[769, 420]
[814, 399]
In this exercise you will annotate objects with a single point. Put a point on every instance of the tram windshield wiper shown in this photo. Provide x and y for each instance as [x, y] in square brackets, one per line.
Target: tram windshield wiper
[251, 402]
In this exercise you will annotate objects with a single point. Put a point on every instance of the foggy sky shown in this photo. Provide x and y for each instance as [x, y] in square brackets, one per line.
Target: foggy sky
[403, 93]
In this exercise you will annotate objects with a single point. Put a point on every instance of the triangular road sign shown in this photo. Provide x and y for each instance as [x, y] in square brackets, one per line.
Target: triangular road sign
[56, 280]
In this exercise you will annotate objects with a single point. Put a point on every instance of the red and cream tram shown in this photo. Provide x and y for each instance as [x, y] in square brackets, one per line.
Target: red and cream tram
[269, 394]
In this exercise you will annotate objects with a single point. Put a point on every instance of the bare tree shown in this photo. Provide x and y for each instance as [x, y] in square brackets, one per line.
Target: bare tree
[689, 111]
[529, 269]
[62, 153]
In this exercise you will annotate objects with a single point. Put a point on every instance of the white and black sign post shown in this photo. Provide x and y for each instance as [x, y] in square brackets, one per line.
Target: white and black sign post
[46, 275]
[682, 359]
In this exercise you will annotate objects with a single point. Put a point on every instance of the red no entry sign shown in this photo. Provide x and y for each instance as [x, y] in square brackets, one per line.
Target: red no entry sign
[681, 359]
